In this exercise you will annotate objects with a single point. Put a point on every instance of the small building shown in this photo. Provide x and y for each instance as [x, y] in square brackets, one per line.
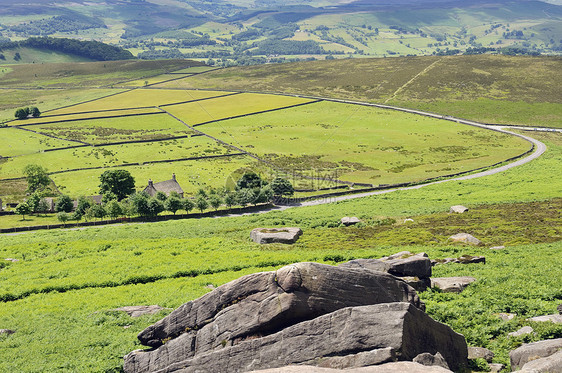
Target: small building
[167, 187]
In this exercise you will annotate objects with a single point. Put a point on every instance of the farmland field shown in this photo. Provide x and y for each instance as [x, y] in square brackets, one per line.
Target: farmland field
[61, 294]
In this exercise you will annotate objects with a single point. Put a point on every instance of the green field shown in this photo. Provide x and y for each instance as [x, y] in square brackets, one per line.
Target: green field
[92, 271]
[493, 89]
[365, 145]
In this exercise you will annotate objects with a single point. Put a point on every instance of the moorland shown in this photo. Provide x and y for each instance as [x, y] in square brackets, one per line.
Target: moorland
[61, 294]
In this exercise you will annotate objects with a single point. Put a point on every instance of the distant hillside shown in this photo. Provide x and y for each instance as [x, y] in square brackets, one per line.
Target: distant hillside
[247, 32]
[84, 50]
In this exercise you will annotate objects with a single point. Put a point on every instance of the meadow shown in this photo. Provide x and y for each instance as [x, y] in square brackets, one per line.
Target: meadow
[61, 294]
[490, 88]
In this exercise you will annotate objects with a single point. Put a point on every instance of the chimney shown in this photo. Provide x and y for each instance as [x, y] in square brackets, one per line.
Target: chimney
[149, 182]
[174, 177]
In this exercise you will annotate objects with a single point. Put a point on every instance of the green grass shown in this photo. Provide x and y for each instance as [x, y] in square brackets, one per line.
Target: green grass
[502, 89]
[39, 56]
[87, 74]
[115, 155]
[191, 175]
[224, 107]
[367, 145]
[139, 98]
[101, 131]
[25, 142]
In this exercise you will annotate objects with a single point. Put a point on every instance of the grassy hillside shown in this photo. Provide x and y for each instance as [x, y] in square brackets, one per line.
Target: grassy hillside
[32, 55]
[61, 294]
[492, 89]
[250, 32]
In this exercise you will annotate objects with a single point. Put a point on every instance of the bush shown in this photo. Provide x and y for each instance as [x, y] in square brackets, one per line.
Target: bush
[64, 204]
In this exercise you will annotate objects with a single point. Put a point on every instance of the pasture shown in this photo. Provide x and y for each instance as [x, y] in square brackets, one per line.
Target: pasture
[62, 292]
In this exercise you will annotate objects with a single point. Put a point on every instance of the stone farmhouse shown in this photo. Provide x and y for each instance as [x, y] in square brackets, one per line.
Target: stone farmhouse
[167, 187]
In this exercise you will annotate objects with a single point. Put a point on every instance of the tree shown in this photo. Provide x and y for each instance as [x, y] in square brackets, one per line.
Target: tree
[282, 187]
[37, 178]
[34, 111]
[114, 209]
[83, 204]
[245, 197]
[201, 193]
[155, 206]
[139, 203]
[33, 202]
[21, 113]
[107, 197]
[161, 196]
[63, 217]
[118, 182]
[43, 206]
[173, 204]
[64, 204]
[229, 200]
[215, 201]
[250, 180]
[23, 209]
[97, 211]
[265, 195]
[201, 203]
[188, 205]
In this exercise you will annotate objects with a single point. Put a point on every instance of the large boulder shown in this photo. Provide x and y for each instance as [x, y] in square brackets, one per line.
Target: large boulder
[400, 326]
[458, 209]
[521, 356]
[268, 301]
[452, 284]
[549, 364]
[465, 238]
[480, 353]
[275, 235]
[556, 318]
[396, 367]
[347, 221]
[401, 264]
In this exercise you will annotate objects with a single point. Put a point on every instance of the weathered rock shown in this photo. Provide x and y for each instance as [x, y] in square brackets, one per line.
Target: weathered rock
[430, 360]
[506, 316]
[403, 264]
[464, 259]
[452, 284]
[559, 309]
[396, 367]
[466, 238]
[549, 364]
[7, 331]
[275, 235]
[347, 221]
[361, 359]
[409, 220]
[268, 301]
[458, 209]
[480, 353]
[556, 318]
[524, 330]
[532, 351]
[497, 247]
[496, 368]
[137, 311]
[399, 326]
[12, 260]
[419, 284]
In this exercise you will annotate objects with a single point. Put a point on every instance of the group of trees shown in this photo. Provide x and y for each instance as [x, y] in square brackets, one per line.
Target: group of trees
[24, 113]
[120, 199]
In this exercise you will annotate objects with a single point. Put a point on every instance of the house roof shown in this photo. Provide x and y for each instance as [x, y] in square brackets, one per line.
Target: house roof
[167, 186]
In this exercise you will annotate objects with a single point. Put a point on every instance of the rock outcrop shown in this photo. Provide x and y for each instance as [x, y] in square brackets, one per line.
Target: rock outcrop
[275, 235]
[397, 367]
[415, 269]
[306, 313]
[556, 318]
[480, 353]
[463, 259]
[465, 238]
[524, 330]
[452, 284]
[7, 331]
[347, 221]
[538, 356]
[458, 209]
